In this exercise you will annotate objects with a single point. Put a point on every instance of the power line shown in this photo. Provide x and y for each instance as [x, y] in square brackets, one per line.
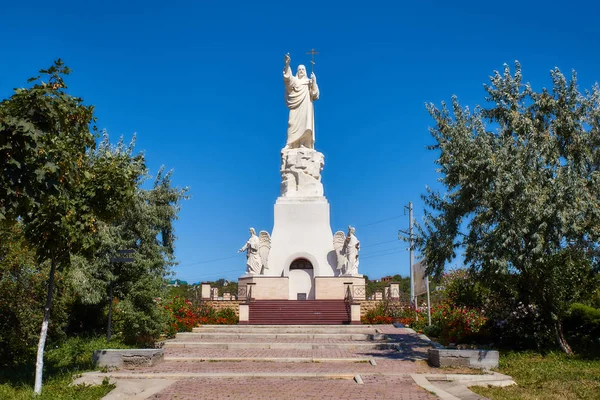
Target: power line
[195, 277]
[377, 244]
[208, 261]
[382, 250]
[386, 254]
[380, 221]
[358, 226]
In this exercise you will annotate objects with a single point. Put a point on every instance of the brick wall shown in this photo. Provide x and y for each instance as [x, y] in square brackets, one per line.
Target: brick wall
[368, 305]
[219, 305]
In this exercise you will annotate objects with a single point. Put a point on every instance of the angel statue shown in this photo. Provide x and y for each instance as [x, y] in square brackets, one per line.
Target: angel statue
[257, 252]
[346, 249]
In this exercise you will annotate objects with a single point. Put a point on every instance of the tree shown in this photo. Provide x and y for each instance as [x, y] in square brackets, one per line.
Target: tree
[54, 183]
[22, 289]
[522, 197]
[146, 227]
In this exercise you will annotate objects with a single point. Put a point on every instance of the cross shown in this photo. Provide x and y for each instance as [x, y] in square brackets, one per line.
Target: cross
[312, 52]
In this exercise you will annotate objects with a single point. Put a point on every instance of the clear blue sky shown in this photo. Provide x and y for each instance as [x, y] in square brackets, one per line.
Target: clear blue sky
[200, 83]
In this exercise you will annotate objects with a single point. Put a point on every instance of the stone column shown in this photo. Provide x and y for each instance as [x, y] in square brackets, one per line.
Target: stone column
[355, 314]
[244, 314]
[205, 291]
[395, 291]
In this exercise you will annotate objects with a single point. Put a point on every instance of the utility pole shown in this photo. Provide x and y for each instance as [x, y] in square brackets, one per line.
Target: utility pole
[411, 252]
[411, 241]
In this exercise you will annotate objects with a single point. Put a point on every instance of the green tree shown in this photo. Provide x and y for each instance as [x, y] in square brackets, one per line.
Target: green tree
[54, 183]
[22, 288]
[146, 227]
[521, 191]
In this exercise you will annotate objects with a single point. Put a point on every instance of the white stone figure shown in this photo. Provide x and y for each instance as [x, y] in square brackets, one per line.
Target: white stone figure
[253, 261]
[300, 92]
[264, 247]
[301, 173]
[346, 249]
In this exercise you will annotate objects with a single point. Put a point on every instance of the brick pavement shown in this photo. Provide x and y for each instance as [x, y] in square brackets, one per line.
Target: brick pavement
[385, 380]
[382, 366]
[375, 387]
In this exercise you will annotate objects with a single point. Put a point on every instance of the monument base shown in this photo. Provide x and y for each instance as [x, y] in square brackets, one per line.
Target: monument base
[336, 287]
[301, 230]
[263, 287]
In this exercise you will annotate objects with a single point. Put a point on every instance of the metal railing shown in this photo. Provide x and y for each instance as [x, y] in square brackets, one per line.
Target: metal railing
[348, 296]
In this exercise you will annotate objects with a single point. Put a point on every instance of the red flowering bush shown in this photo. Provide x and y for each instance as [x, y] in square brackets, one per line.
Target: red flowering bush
[457, 324]
[378, 315]
[184, 315]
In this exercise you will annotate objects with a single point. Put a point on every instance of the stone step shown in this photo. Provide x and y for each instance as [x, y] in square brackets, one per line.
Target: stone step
[282, 312]
[211, 336]
[281, 345]
[283, 329]
[281, 360]
[388, 354]
[189, 338]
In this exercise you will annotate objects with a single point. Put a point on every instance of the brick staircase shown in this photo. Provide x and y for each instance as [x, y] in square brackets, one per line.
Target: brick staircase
[299, 312]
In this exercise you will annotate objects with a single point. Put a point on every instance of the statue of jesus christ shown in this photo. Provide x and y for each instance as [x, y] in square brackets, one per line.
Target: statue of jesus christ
[300, 92]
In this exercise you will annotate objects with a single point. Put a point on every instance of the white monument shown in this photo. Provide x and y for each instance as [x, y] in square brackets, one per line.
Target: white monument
[301, 259]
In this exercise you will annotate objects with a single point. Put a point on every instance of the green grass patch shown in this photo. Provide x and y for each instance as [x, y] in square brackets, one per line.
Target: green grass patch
[56, 388]
[61, 362]
[553, 376]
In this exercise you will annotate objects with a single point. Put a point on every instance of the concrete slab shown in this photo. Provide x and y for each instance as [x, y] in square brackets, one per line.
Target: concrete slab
[119, 358]
[463, 358]
[138, 389]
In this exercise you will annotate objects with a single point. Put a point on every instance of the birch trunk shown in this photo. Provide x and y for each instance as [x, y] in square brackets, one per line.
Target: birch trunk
[39, 364]
[560, 338]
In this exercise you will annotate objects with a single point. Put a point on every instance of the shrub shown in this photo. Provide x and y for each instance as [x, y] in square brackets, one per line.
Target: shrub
[582, 327]
[458, 324]
[184, 315]
[226, 317]
[377, 315]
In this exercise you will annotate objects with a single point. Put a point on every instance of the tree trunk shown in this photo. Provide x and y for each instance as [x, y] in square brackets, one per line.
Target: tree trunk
[110, 305]
[560, 337]
[39, 364]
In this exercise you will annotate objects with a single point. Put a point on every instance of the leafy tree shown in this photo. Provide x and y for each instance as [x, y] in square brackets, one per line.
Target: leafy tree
[145, 227]
[54, 183]
[22, 282]
[521, 178]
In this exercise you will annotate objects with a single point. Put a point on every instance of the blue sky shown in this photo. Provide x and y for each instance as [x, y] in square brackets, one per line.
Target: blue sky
[200, 83]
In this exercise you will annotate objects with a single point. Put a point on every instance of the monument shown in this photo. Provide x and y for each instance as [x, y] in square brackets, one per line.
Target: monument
[301, 259]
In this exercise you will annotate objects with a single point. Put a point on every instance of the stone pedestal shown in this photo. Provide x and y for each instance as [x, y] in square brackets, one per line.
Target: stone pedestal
[301, 229]
[300, 251]
[301, 173]
[205, 291]
[335, 287]
[263, 287]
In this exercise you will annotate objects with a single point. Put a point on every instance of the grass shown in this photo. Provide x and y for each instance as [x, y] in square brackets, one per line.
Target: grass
[56, 388]
[61, 362]
[550, 377]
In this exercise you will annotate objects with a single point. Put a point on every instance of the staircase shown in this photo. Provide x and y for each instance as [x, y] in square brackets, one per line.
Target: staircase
[299, 312]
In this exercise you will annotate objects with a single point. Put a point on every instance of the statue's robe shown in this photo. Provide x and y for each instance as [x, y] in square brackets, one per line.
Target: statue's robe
[253, 260]
[352, 255]
[299, 96]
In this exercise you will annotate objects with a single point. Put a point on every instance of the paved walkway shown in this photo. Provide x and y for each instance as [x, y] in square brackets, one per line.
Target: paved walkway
[198, 373]
[374, 387]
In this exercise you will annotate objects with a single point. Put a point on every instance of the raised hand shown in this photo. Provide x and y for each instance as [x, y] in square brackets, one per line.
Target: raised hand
[287, 59]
